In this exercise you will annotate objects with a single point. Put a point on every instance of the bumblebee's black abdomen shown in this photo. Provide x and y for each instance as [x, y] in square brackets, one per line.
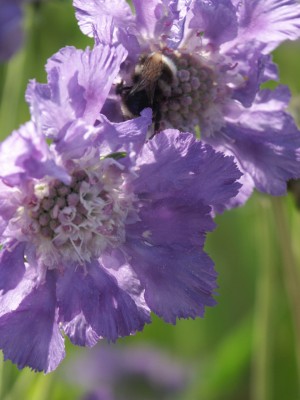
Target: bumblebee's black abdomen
[137, 101]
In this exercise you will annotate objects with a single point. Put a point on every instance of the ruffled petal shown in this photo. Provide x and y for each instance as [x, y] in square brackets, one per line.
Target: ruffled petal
[109, 23]
[179, 181]
[179, 281]
[10, 300]
[175, 163]
[79, 82]
[217, 20]
[10, 200]
[270, 21]
[76, 140]
[91, 13]
[80, 331]
[182, 221]
[12, 267]
[31, 157]
[163, 20]
[128, 136]
[175, 28]
[252, 66]
[147, 13]
[265, 142]
[29, 333]
[246, 190]
[108, 311]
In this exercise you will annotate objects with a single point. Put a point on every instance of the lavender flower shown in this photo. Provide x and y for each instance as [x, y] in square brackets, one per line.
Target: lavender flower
[98, 229]
[219, 50]
[127, 373]
[11, 32]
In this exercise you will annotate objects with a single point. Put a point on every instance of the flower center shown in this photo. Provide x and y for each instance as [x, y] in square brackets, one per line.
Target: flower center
[193, 100]
[79, 221]
[185, 91]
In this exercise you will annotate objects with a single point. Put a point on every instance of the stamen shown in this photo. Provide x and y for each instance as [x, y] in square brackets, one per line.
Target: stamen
[80, 220]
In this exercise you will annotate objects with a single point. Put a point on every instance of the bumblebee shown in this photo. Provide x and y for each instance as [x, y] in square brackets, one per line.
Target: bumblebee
[145, 90]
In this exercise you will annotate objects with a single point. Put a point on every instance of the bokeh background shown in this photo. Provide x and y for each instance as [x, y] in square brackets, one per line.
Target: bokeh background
[248, 346]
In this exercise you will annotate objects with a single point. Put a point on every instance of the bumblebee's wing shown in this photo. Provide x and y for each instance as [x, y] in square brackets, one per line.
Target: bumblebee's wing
[146, 87]
[149, 76]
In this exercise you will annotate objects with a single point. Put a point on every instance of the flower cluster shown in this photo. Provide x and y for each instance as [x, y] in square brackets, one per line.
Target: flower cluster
[100, 225]
[219, 51]
[100, 228]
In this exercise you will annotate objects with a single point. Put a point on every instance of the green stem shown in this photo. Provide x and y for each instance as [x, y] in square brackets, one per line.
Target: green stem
[261, 388]
[1, 376]
[11, 95]
[290, 269]
[13, 108]
[21, 386]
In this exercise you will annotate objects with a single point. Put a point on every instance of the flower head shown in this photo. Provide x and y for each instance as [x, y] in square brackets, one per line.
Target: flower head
[218, 52]
[98, 228]
[127, 373]
[11, 32]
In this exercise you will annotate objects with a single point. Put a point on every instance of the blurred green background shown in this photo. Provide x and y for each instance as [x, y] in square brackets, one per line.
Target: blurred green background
[246, 347]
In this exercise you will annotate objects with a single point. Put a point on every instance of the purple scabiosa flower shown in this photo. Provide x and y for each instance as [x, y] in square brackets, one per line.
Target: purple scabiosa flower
[11, 31]
[128, 373]
[211, 58]
[97, 228]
